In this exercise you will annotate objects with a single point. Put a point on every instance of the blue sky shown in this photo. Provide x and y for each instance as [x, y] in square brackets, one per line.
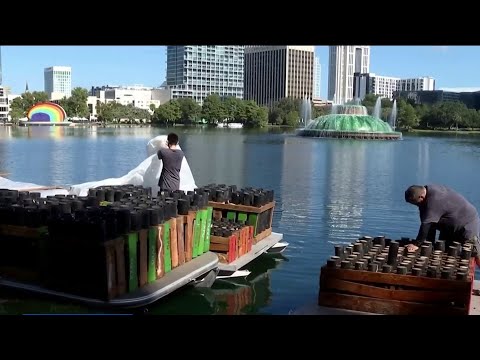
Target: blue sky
[452, 66]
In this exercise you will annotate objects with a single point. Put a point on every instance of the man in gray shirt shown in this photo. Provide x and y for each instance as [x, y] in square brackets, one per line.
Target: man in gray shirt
[443, 209]
[172, 158]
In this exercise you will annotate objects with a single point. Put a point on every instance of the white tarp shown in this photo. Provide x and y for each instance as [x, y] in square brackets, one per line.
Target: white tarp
[146, 174]
[21, 186]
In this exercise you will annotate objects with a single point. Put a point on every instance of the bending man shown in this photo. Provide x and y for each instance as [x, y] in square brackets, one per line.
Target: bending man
[443, 209]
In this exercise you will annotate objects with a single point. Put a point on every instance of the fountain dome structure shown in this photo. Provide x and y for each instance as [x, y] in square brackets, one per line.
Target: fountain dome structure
[350, 122]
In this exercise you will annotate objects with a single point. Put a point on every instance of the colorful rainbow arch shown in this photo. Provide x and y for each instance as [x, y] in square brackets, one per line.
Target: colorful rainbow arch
[46, 112]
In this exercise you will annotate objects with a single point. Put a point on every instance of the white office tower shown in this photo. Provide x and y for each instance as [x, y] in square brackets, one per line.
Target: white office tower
[344, 61]
[58, 82]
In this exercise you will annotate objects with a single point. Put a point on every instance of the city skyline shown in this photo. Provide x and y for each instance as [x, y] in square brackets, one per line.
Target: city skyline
[451, 66]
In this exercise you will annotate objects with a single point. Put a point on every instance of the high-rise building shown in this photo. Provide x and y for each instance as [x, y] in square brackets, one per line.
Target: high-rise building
[139, 96]
[276, 72]
[196, 71]
[4, 107]
[58, 82]
[417, 84]
[317, 78]
[344, 61]
[0, 65]
[383, 86]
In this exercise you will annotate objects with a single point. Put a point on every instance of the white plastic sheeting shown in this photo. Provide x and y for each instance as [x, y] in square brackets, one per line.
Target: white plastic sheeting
[22, 186]
[146, 174]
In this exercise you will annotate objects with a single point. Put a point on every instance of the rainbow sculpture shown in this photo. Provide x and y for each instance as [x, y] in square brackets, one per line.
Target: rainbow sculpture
[46, 112]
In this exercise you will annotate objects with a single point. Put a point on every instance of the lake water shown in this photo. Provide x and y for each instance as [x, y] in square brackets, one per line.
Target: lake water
[327, 191]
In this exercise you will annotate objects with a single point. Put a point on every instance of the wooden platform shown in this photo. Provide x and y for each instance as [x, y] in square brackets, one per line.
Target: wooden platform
[145, 295]
[257, 250]
[313, 309]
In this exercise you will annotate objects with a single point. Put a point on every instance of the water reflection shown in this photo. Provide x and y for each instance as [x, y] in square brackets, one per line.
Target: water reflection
[4, 132]
[345, 191]
[215, 159]
[233, 297]
[297, 170]
[39, 132]
[423, 162]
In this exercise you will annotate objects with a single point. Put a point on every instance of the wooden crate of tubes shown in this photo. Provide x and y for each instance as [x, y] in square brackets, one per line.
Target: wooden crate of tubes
[230, 240]
[164, 233]
[251, 206]
[112, 241]
[22, 235]
[379, 275]
[20, 247]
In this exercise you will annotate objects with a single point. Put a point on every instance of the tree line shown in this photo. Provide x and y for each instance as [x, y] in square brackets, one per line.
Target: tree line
[214, 110]
[74, 106]
[285, 112]
[439, 116]
[442, 115]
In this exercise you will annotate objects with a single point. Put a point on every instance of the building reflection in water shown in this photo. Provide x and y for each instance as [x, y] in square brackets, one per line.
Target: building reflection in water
[423, 166]
[5, 135]
[297, 174]
[215, 158]
[54, 159]
[359, 173]
[46, 132]
[346, 189]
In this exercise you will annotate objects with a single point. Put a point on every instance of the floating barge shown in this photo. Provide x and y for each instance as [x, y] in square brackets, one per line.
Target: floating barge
[249, 214]
[61, 241]
[378, 276]
[192, 273]
[120, 247]
[122, 254]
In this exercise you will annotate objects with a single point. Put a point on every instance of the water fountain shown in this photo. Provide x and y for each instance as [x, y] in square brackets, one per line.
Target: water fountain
[377, 109]
[306, 111]
[351, 121]
[393, 115]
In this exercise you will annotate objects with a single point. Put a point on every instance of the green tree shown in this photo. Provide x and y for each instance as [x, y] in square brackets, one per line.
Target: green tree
[292, 119]
[213, 109]
[369, 100]
[64, 103]
[386, 103]
[17, 110]
[261, 117]
[105, 112]
[472, 118]
[275, 116]
[281, 109]
[77, 103]
[189, 109]
[168, 112]
[240, 114]
[255, 116]
[20, 105]
[32, 98]
[385, 113]
[407, 117]
[320, 111]
[231, 105]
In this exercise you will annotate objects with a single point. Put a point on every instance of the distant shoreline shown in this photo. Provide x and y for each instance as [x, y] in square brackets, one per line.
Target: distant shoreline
[439, 131]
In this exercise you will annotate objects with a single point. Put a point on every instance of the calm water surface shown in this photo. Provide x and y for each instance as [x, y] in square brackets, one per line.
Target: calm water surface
[327, 191]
